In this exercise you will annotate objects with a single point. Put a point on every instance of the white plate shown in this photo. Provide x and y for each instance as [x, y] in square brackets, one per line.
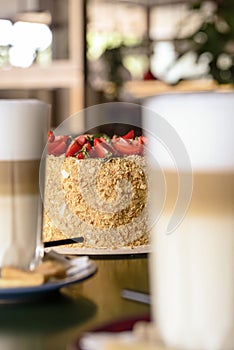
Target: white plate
[144, 249]
[25, 293]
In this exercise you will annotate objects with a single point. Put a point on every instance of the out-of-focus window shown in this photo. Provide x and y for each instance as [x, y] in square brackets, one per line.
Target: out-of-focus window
[33, 31]
[29, 41]
[144, 34]
[176, 22]
[116, 45]
[21, 43]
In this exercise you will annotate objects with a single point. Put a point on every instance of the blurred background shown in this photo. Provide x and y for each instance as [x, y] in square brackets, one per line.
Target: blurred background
[77, 53]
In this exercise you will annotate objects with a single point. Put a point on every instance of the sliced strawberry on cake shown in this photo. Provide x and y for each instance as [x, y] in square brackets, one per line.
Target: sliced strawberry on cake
[129, 135]
[101, 147]
[57, 145]
[127, 147]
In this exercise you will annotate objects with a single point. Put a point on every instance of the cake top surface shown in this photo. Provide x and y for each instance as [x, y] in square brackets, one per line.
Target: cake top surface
[96, 145]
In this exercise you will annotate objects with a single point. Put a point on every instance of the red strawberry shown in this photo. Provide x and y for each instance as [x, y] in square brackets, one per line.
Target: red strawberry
[81, 139]
[92, 153]
[73, 148]
[58, 146]
[129, 135]
[114, 138]
[51, 136]
[87, 146]
[80, 155]
[60, 149]
[100, 150]
[84, 152]
[126, 147]
[143, 140]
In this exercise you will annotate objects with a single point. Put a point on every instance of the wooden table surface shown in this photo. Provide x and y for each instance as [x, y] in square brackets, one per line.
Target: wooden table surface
[58, 320]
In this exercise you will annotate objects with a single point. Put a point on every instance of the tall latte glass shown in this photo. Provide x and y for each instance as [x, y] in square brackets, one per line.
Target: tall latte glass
[192, 266]
[24, 125]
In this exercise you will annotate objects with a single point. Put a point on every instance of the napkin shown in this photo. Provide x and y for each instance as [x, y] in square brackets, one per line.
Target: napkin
[72, 265]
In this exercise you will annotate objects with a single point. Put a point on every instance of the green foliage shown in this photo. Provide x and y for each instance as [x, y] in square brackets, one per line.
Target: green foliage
[215, 39]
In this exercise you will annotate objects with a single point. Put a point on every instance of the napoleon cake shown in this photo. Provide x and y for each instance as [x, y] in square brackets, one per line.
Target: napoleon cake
[96, 187]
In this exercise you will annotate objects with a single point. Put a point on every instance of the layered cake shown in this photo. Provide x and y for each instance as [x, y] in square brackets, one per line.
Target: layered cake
[97, 188]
